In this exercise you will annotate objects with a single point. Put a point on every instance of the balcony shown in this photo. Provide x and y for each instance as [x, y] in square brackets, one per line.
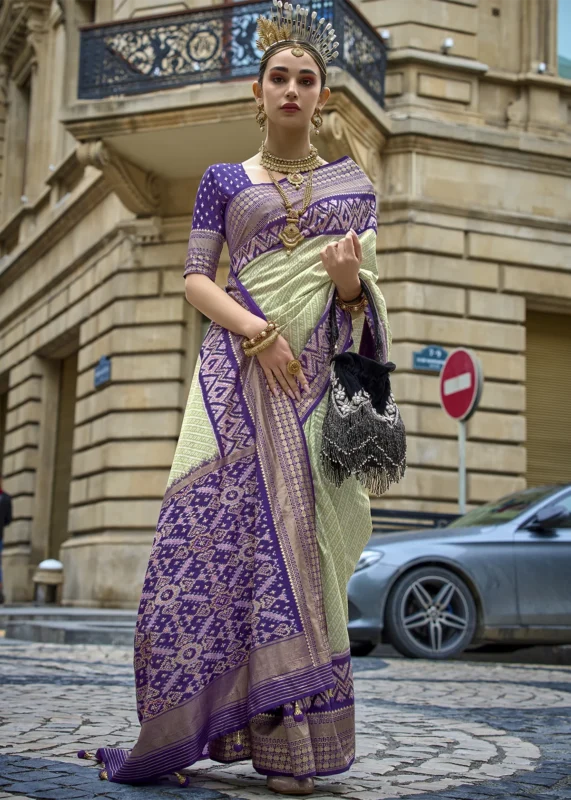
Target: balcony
[212, 44]
[160, 98]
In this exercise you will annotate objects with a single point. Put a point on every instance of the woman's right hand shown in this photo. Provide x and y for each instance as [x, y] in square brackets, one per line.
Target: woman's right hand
[274, 360]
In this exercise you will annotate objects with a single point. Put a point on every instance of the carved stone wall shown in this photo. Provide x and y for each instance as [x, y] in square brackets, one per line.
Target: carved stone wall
[471, 160]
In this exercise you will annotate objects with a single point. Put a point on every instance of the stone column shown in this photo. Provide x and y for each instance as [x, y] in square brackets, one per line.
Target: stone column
[47, 438]
[126, 431]
[22, 454]
[4, 83]
[539, 35]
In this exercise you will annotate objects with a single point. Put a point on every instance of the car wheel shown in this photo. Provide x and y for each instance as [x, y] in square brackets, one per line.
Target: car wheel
[361, 649]
[430, 614]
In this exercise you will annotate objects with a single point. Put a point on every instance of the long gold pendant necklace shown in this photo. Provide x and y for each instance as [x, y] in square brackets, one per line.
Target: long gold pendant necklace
[291, 235]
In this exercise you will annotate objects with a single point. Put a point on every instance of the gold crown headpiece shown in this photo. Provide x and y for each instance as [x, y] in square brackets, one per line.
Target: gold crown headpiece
[297, 27]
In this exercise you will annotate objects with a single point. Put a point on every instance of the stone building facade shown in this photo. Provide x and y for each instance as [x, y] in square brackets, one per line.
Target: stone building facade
[471, 157]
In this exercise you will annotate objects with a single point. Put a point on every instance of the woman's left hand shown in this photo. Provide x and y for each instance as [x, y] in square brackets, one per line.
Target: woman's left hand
[342, 261]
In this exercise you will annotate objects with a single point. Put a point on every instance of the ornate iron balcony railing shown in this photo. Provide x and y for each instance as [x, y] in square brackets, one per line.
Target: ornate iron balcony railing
[210, 44]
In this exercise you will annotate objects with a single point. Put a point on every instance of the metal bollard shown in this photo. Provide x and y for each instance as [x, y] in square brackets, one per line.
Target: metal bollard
[48, 579]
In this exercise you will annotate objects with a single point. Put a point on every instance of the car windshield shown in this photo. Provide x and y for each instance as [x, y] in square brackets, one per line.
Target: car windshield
[503, 510]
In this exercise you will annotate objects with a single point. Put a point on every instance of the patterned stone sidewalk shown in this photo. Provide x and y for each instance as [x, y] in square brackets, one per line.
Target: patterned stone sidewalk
[426, 730]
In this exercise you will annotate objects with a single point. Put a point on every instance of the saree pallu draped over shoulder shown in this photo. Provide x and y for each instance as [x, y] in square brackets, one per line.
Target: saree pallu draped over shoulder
[241, 645]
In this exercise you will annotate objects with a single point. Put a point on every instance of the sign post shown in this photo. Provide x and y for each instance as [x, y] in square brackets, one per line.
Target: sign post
[461, 383]
[462, 467]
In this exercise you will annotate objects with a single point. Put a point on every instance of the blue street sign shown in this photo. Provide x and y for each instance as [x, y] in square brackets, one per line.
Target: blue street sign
[102, 372]
[430, 358]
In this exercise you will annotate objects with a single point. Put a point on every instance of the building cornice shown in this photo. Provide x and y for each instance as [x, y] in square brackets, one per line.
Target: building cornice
[14, 265]
[508, 148]
[191, 105]
[91, 122]
[20, 22]
[407, 55]
[10, 227]
[66, 172]
[397, 58]
[408, 208]
[529, 79]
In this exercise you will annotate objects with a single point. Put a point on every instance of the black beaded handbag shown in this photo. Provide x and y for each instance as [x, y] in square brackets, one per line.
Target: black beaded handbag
[363, 432]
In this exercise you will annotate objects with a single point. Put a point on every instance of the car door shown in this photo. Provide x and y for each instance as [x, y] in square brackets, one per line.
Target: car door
[543, 569]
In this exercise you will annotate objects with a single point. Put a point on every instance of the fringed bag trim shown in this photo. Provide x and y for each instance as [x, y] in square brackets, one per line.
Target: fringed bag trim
[363, 432]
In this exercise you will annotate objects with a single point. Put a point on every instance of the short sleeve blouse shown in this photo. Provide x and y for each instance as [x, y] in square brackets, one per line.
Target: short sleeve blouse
[208, 231]
[219, 184]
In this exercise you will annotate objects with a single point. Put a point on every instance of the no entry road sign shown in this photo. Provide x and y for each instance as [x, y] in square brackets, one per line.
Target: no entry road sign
[461, 381]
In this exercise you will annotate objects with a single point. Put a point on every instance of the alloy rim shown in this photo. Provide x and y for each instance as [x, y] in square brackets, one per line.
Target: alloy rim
[434, 614]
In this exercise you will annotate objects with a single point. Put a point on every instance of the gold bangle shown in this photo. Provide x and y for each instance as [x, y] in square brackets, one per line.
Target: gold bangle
[353, 299]
[360, 305]
[259, 337]
[248, 345]
[259, 348]
[265, 343]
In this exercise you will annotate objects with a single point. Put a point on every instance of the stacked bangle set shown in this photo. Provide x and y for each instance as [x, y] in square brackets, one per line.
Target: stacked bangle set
[262, 340]
[271, 332]
[358, 304]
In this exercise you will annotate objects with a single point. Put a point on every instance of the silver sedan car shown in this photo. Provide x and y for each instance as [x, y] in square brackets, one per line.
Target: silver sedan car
[501, 573]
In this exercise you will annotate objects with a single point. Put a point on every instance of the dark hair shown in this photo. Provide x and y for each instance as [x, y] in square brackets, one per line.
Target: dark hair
[262, 72]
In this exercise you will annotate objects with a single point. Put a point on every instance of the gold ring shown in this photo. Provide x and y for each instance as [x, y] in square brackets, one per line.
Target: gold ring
[294, 367]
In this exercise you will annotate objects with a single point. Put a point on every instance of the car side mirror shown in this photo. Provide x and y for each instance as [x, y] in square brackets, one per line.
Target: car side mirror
[548, 518]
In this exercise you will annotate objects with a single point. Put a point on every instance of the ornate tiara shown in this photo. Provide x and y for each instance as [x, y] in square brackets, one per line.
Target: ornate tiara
[288, 26]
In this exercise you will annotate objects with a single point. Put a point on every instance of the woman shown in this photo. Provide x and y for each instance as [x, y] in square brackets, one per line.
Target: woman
[241, 644]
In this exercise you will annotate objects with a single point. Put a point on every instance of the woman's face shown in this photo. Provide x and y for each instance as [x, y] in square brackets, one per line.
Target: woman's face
[291, 90]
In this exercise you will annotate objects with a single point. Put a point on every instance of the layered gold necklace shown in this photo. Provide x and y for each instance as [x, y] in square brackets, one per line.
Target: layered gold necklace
[291, 235]
[292, 168]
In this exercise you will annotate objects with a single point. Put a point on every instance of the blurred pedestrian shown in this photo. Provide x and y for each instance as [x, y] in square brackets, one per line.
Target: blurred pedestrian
[5, 519]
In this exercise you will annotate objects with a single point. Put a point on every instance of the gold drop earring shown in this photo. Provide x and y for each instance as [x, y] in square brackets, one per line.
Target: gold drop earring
[261, 116]
[317, 121]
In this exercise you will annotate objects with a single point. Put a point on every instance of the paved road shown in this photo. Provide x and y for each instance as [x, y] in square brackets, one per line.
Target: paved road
[431, 731]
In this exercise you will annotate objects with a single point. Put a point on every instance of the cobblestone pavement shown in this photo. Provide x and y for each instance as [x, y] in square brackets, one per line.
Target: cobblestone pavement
[424, 729]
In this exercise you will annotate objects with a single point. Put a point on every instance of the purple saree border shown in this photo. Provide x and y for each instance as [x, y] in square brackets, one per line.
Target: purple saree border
[268, 510]
[219, 337]
[212, 332]
[278, 417]
[184, 752]
[241, 401]
[367, 347]
[246, 296]
[320, 169]
[234, 669]
[346, 344]
[320, 774]
[249, 250]
[197, 472]
[252, 185]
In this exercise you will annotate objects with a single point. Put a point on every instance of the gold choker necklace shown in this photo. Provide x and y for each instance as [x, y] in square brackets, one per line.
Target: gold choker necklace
[293, 168]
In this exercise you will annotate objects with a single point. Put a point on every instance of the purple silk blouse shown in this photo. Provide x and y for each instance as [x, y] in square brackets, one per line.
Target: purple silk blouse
[249, 216]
